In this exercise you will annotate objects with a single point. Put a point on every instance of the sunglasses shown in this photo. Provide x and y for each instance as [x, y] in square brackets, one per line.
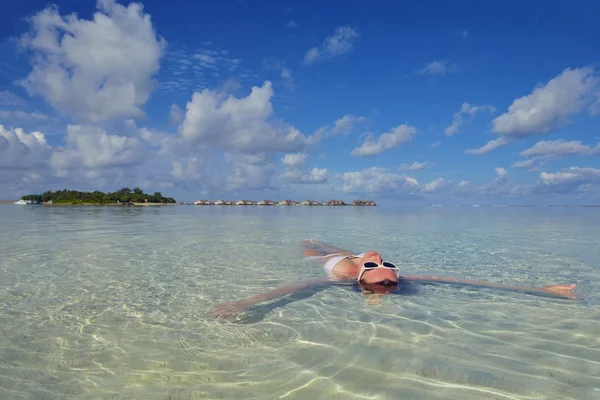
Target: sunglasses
[369, 265]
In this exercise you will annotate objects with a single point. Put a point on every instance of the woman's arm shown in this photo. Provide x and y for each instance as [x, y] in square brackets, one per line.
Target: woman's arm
[230, 309]
[313, 247]
[563, 291]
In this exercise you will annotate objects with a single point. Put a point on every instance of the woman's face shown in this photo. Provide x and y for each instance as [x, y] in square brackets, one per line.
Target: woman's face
[377, 275]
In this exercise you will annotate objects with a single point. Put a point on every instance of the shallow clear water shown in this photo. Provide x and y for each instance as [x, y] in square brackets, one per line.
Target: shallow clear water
[112, 303]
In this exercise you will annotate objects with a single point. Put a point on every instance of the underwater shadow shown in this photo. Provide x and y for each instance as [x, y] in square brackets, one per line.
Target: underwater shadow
[257, 313]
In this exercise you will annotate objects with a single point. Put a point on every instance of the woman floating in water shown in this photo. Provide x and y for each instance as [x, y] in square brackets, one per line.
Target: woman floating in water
[372, 274]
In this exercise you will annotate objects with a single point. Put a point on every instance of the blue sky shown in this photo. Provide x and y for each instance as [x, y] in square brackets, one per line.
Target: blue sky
[437, 102]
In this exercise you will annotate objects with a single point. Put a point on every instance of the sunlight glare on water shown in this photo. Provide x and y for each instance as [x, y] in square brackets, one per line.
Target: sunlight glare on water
[112, 303]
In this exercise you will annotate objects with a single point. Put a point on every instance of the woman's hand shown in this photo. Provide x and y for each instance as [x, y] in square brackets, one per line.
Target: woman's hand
[561, 290]
[230, 310]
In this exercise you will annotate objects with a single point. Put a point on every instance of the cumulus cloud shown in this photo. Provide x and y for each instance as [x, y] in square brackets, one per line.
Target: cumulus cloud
[501, 175]
[558, 148]
[341, 126]
[465, 110]
[315, 175]
[373, 146]
[489, 146]
[294, 160]
[442, 67]
[549, 106]
[88, 147]
[341, 42]
[244, 125]
[416, 166]
[436, 186]
[346, 124]
[175, 114]
[292, 24]
[294, 172]
[546, 150]
[98, 69]
[249, 172]
[375, 180]
[569, 180]
[20, 150]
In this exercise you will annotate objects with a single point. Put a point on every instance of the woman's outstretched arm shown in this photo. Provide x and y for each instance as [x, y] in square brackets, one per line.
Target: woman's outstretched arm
[230, 309]
[313, 247]
[562, 291]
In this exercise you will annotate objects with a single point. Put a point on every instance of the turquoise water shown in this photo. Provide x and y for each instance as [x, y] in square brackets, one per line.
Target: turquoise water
[112, 303]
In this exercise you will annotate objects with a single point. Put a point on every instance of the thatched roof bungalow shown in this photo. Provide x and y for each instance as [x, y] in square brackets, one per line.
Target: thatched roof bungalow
[310, 203]
[203, 203]
[245, 203]
[334, 203]
[370, 203]
[287, 203]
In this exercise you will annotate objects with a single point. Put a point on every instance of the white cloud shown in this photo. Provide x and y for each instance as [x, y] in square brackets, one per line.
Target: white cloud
[557, 149]
[294, 160]
[436, 186]
[206, 60]
[569, 180]
[9, 99]
[465, 109]
[293, 173]
[285, 73]
[489, 146]
[372, 146]
[375, 180]
[20, 150]
[23, 115]
[93, 148]
[346, 124]
[315, 175]
[243, 125]
[416, 166]
[441, 67]
[343, 125]
[175, 114]
[96, 69]
[286, 76]
[525, 164]
[335, 45]
[312, 55]
[292, 24]
[546, 150]
[249, 173]
[501, 175]
[550, 106]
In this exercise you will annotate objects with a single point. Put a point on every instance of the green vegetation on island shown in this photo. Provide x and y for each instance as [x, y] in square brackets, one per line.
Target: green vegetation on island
[123, 196]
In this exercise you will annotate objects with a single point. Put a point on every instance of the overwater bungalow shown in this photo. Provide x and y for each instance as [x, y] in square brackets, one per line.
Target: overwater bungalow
[245, 203]
[266, 203]
[370, 203]
[287, 203]
[203, 203]
[334, 203]
[310, 203]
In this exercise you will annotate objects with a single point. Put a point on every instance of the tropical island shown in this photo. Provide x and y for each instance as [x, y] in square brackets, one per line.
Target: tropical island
[124, 196]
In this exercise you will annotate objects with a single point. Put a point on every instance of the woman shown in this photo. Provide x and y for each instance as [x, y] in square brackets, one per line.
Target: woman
[372, 274]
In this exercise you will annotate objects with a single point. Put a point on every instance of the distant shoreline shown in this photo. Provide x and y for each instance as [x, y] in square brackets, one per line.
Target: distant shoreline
[182, 203]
